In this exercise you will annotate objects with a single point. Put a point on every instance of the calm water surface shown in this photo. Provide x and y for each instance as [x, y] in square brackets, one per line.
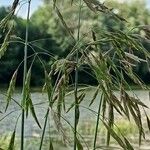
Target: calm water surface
[40, 103]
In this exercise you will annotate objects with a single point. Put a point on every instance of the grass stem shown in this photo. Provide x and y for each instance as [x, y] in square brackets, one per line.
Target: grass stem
[76, 81]
[25, 74]
[44, 128]
[97, 122]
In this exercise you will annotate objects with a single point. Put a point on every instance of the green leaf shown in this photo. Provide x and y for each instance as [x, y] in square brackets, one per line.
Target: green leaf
[11, 88]
[63, 22]
[110, 122]
[134, 57]
[80, 99]
[137, 101]
[51, 145]
[114, 135]
[27, 104]
[27, 97]
[48, 86]
[77, 115]
[79, 145]
[129, 146]
[28, 78]
[71, 106]
[94, 96]
[33, 112]
[12, 141]
[126, 109]
[54, 3]
[5, 43]
[26, 94]
[104, 107]
[148, 122]
[15, 4]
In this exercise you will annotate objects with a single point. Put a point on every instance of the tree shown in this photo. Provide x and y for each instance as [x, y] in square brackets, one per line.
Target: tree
[136, 15]
[40, 42]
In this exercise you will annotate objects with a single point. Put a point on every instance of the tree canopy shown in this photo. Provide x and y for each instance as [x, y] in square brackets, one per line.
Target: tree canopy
[48, 34]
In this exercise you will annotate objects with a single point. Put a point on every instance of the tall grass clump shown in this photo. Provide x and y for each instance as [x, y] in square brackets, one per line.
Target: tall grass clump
[111, 55]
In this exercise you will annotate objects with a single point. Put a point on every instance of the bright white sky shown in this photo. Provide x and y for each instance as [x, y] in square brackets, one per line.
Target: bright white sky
[22, 11]
[34, 5]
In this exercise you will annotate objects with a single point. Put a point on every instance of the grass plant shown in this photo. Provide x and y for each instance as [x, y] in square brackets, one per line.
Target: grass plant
[102, 62]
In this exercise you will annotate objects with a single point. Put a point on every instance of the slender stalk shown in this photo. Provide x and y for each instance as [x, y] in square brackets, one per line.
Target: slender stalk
[97, 122]
[44, 128]
[76, 81]
[47, 113]
[24, 75]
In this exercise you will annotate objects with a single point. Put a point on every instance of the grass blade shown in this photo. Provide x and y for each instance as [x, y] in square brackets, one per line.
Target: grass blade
[33, 112]
[94, 96]
[63, 22]
[51, 145]
[114, 135]
[11, 88]
[12, 141]
[129, 146]
[79, 145]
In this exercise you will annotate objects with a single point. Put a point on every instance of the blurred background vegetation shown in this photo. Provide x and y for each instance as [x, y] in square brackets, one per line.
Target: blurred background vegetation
[48, 35]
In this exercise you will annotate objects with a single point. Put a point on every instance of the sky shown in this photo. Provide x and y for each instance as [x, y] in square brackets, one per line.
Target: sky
[22, 11]
[34, 5]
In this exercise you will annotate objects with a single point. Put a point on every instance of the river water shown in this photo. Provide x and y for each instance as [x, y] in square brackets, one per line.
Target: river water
[8, 119]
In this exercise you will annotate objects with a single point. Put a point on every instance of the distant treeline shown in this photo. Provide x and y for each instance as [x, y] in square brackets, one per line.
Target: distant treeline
[49, 40]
